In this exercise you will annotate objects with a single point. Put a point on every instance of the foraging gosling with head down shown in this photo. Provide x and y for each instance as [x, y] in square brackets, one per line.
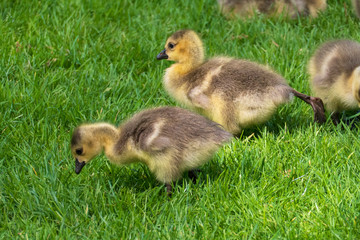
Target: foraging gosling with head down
[335, 76]
[169, 140]
[232, 92]
[289, 8]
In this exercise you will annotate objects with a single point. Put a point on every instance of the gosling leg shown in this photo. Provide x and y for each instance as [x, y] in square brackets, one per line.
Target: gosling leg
[168, 189]
[193, 174]
[316, 104]
[335, 117]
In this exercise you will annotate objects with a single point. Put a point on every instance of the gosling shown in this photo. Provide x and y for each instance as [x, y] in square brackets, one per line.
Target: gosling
[169, 140]
[356, 6]
[335, 76]
[288, 8]
[232, 92]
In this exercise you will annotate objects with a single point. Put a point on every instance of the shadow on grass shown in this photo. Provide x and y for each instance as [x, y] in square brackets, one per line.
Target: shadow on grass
[276, 125]
[138, 179]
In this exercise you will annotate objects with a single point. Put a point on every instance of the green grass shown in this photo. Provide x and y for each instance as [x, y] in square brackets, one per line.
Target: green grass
[67, 62]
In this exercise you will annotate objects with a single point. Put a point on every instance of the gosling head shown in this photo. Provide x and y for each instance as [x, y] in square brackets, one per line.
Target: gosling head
[356, 84]
[184, 46]
[84, 146]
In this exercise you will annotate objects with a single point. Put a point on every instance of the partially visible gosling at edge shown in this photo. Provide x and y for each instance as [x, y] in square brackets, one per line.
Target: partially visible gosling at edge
[169, 140]
[335, 76]
[232, 92]
[356, 6]
[289, 8]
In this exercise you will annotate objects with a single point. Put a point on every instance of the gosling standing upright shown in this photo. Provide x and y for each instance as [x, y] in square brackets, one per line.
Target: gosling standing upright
[234, 93]
[169, 140]
[289, 8]
[335, 76]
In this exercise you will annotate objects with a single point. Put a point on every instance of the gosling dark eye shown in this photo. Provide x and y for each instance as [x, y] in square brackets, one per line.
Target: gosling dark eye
[171, 45]
[79, 151]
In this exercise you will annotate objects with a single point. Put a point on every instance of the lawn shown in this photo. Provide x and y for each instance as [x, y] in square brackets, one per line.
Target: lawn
[63, 63]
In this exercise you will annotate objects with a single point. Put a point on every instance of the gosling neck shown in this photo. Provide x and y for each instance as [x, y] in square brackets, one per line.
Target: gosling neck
[186, 66]
[107, 135]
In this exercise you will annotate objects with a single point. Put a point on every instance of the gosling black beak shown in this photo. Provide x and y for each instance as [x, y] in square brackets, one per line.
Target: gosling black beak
[162, 55]
[78, 166]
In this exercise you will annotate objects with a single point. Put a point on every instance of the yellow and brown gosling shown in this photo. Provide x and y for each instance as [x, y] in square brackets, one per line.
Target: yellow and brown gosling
[335, 76]
[288, 8]
[169, 140]
[356, 6]
[232, 92]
